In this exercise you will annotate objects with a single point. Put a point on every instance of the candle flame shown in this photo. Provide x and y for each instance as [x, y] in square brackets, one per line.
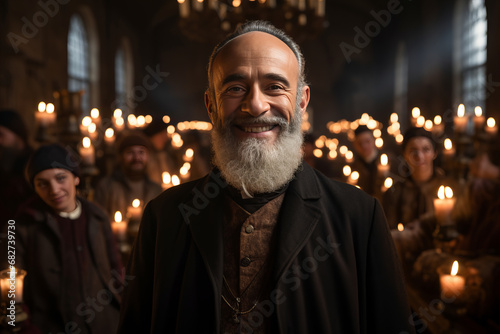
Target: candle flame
[175, 180]
[132, 120]
[86, 121]
[117, 113]
[420, 121]
[448, 192]
[347, 170]
[141, 120]
[41, 106]
[109, 133]
[384, 160]
[428, 125]
[86, 142]
[454, 268]
[354, 175]
[490, 122]
[166, 177]
[189, 153]
[92, 127]
[318, 153]
[437, 120]
[166, 119]
[148, 119]
[448, 145]
[50, 108]
[441, 192]
[94, 113]
[401, 227]
[118, 216]
[388, 182]
[379, 142]
[394, 117]
[136, 202]
[461, 111]
[119, 121]
[349, 155]
[415, 112]
[478, 111]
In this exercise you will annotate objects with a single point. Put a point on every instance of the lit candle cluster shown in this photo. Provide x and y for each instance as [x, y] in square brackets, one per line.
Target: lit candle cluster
[45, 116]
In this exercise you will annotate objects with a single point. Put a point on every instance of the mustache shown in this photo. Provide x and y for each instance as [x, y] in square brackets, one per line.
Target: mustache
[261, 120]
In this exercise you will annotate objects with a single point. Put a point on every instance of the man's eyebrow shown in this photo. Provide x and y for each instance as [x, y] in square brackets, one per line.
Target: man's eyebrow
[233, 77]
[278, 77]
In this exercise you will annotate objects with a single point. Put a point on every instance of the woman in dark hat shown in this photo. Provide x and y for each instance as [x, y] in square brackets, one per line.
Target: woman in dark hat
[65, 244]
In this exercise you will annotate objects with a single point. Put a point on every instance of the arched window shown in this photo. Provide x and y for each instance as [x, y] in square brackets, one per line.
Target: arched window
[78, 60]
[472, 51]
[123, 78]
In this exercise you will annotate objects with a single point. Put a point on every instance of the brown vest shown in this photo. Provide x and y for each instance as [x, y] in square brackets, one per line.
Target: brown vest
[247, 250]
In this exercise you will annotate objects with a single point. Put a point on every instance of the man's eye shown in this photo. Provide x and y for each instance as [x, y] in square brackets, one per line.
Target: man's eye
[235, 89]
[275, 87]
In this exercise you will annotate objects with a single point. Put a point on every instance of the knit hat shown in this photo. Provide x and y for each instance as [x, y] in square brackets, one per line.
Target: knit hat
[51, 156]
[13, 121]
[135, 138]
[417, 132]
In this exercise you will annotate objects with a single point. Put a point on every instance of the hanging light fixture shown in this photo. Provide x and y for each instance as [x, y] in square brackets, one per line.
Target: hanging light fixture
[211, 20]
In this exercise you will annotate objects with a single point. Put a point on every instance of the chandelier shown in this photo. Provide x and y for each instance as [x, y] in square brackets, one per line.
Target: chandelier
[211, 20]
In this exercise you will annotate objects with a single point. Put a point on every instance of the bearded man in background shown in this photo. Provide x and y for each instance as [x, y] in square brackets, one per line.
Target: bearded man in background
[264, 243]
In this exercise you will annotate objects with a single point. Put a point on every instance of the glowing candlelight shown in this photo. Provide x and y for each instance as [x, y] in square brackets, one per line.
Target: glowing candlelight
[444, 204]
[478, 119]
[134, 211]
[401, 227]
[460, 121]
[109, 135]
[387, 184]
[452, 285]
[491, 126]
[175, 180]
[119, 227]
[383, 166]
[87, 152]
[167, 179]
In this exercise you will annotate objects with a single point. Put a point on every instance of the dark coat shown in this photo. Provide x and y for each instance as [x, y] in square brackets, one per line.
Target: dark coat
[39, 252]
[335, 269]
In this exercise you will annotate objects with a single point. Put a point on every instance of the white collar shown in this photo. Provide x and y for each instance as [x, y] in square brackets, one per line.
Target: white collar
[75, 214]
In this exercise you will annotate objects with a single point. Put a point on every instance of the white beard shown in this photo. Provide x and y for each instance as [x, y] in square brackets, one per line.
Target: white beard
[253, 165]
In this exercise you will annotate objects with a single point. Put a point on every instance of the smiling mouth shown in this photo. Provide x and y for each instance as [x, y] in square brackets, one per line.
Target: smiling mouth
[257, 129]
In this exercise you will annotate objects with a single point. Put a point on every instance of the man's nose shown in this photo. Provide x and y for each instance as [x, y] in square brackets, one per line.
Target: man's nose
[53, 188]
[255, 103]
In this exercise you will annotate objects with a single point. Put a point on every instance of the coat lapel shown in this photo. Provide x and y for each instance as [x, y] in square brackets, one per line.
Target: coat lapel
[299, 216]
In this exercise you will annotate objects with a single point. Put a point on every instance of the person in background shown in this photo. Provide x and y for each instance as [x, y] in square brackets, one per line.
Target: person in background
[14, 154]
[161, 158]
[65, 244]
[130, 180]
[366, 160]
[415, 187]
[263, 243]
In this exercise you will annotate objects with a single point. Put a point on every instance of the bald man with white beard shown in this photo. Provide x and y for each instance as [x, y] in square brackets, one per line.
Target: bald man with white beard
[264, 243]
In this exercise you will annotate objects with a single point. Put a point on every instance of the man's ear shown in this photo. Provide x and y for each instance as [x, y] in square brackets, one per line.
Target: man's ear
[209, 105]
[304, 98]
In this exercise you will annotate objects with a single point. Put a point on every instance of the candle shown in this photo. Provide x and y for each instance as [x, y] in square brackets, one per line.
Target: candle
[50, 114]
[119, 227]
[438, 127]
[92, 129]
[11, 284]
[415, 113]
[383, 166]
[460, 121]
[452, 285]
[134, 211]
[184, 171]
[84, 127]
[41, 116]
[109, 136]
[449, 150]
[401, 227]
[165, 176]
[353, 178]
[183, 8]
[87, 152]
[478, 119]
[444, 204]
[491, 126]
[96, 118]
[175, 180]
[188, 155]
[387, 184]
